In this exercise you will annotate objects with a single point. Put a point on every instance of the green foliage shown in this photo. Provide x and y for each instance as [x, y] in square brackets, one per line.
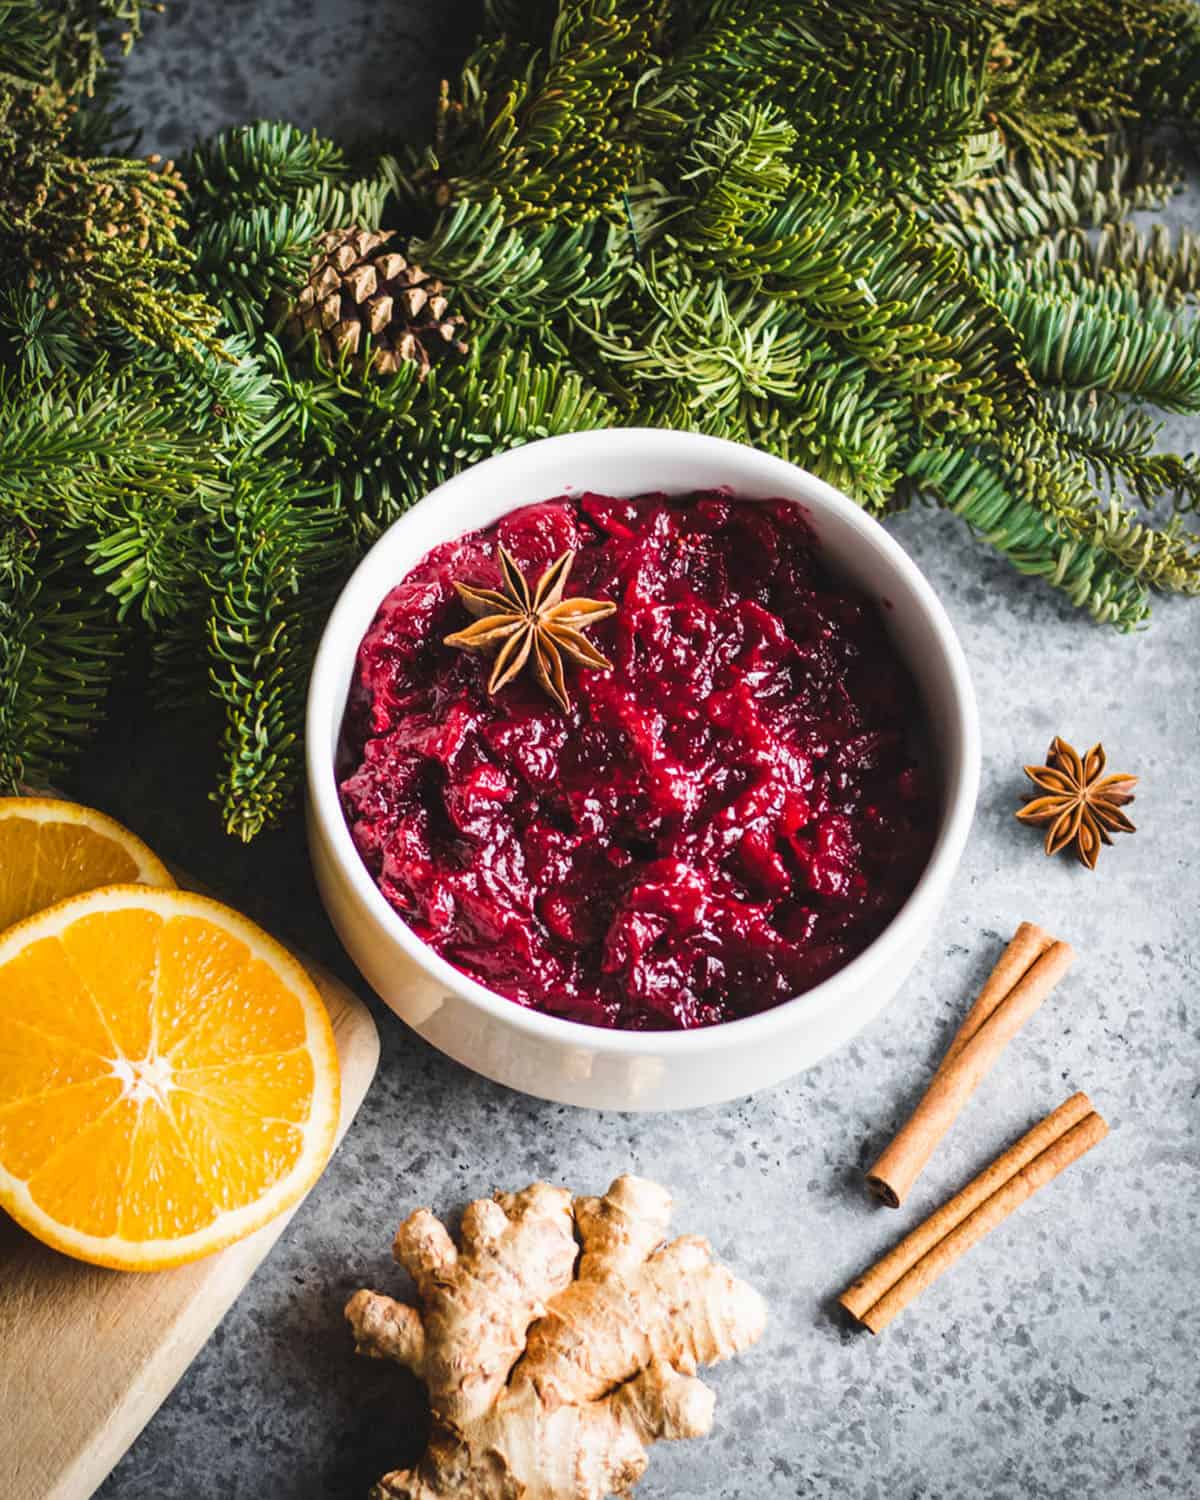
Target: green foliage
[38, 335]
[1116, 442]
[987, 489]
[103, 459]
[523, 274]
[260, 164]
[1024, 199]
[887, 239]
[543, 134]
[97, 235]
[1100, 332]
[496, 401]
[100, 234]
[63, 42]
[272, 556]
[246, 261]
[59, 645]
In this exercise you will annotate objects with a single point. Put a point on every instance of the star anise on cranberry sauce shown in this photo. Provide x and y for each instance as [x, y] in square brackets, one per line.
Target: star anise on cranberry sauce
[520, 624]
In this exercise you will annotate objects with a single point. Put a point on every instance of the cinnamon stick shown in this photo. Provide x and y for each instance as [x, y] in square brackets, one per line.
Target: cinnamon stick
[1028, 970]
[933, 1247]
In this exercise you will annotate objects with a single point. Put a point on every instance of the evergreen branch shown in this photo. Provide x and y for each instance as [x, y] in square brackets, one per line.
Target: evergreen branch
[265, 191]
[1000, 488]
[1168, 90]
[249, 263]
[59, 647]
[1159, 267]
[908, 113]
[1060, 64]
[735, 171]
[1058, 482]
[337, 203]
[1100, 334]
[757, 50]
[490, 403]
[1028, 197]
[906, 305]
[976, 486]
[1115, 440]
[318, 399]
[29, 41]
[1134, 54]
[912, 118]
[547, 140]
[848, 431]
[38, 335]
[273, 557]
[715, 347]
[259, 166]
[63, 42]
[1166, 558]
[522, 274]
[103, 231]
[67, 446]
[348, 434]
[232, 400]
[102, 459]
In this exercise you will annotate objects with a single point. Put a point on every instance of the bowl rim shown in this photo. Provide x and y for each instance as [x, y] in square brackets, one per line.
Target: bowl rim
[915, 914]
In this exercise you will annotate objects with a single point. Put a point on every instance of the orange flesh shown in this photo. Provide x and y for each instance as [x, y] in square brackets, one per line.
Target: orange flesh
[154, 1074]
[41, 863]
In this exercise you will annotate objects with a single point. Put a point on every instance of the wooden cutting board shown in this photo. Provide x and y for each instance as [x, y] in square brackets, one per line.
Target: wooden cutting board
[88, 1355]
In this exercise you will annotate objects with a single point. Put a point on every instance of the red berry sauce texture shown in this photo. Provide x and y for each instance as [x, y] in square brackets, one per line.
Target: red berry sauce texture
[723, 820]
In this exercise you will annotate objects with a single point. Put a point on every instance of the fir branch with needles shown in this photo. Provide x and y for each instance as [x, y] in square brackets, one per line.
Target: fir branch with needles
[891, 240]
[272, 555]
[60, 643]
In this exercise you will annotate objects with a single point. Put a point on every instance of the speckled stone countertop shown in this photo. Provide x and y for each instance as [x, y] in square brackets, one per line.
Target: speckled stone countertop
[1061, 1357]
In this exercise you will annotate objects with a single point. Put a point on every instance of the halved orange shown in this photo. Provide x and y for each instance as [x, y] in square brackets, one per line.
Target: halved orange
[168, 1077]
[51, 850]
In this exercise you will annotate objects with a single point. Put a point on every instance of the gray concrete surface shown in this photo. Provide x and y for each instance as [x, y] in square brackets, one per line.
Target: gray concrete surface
[1060, 1358]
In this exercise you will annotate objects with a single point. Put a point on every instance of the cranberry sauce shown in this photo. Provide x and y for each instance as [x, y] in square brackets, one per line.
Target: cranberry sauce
[721, 821]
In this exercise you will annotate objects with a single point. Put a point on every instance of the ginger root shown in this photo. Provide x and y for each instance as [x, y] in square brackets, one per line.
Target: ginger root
[547, 1379]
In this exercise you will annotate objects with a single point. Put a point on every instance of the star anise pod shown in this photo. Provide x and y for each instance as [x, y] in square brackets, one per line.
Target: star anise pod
[1081, 805]
[542, 625]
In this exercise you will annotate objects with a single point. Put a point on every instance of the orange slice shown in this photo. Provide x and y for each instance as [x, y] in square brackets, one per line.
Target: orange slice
[168, 1077]
[50, 850]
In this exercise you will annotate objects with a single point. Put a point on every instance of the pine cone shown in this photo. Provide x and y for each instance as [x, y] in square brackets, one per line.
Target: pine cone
[355, 287]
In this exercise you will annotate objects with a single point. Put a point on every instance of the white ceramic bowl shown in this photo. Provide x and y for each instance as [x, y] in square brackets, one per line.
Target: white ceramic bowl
[565, 1060]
